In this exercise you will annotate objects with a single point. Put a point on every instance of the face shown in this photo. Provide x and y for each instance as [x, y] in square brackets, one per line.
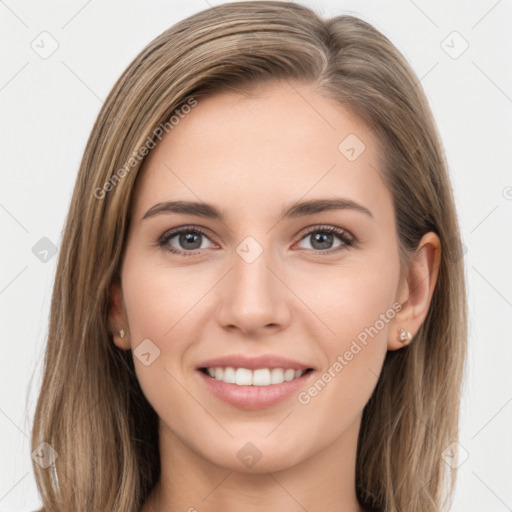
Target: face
[306, 293]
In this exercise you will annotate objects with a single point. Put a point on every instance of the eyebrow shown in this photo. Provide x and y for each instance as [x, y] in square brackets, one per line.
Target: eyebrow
[298, 209]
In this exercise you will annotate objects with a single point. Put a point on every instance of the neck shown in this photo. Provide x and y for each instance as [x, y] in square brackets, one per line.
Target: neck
[189, 482]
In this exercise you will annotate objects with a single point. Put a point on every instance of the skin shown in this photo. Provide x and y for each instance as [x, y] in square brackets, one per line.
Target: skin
[252, 156]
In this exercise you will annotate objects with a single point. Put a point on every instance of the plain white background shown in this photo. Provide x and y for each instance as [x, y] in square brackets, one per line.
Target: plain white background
[48, 106]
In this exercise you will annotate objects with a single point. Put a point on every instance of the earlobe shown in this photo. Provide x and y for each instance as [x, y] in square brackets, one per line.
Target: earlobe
[117, 318]
[420, 284]
[404, 336]
[121, 339]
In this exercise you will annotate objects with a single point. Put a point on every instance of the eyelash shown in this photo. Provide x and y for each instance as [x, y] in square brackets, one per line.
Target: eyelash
[345, 237]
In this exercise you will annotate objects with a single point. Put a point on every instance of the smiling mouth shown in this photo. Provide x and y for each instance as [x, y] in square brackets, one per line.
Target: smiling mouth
[258, 377]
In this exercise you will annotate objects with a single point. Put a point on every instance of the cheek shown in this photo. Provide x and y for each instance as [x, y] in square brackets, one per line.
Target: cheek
[160, 299]
[349, 299]
[356, 305]
[160, 305]
[354, 356]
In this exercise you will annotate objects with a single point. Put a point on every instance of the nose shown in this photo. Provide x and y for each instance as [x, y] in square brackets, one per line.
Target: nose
[254, 297]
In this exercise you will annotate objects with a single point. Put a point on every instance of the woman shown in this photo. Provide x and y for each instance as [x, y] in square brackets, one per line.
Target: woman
[306, 351]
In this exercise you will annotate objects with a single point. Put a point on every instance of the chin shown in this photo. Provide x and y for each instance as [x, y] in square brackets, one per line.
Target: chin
[256, 455]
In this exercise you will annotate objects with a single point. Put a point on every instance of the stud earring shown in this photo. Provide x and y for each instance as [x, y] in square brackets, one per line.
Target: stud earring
[121, 333]
[404, 336]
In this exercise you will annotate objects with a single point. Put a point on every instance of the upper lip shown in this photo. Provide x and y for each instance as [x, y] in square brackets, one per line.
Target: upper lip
[253, 363]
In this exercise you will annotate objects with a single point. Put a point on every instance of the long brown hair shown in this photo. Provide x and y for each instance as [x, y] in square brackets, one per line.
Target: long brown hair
[91, 410]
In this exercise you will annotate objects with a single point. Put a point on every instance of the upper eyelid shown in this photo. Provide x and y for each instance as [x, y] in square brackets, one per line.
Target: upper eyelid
[171, 233]
[304, 232]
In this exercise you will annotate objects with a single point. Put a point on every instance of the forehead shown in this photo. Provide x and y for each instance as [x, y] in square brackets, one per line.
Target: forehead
[281, 142]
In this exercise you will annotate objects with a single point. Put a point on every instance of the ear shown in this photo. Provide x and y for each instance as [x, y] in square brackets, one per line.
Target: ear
[416, 289]
[117, 317]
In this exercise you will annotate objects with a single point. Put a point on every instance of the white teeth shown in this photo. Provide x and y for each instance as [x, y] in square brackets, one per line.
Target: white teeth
[276, 376]
[243, 377]
[289, 374]
[229, 375]
[259, 377]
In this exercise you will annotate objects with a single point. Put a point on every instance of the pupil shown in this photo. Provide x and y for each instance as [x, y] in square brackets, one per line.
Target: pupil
[321, 240]
[189, 238]
[324, 239]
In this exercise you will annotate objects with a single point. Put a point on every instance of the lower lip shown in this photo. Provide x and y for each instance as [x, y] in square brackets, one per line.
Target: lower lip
[254, 397]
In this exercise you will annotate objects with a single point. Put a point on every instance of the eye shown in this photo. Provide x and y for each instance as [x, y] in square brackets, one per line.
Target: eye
[187, 238]
[324, 236]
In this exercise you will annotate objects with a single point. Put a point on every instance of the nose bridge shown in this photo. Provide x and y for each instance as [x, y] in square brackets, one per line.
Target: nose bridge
[253, 297]
[251, 273]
